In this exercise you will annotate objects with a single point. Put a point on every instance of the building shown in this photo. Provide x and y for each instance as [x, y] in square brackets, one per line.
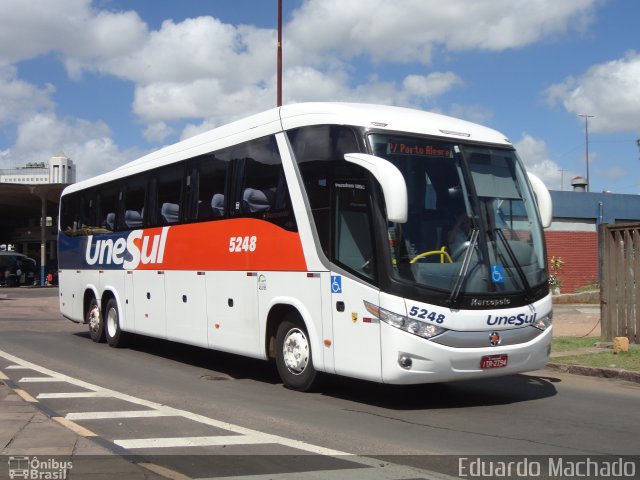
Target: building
[573, 235]
[27, 195]
[59, 169]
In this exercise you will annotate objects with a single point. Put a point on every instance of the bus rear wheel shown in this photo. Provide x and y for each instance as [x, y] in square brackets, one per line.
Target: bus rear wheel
[95, 321]
[293, 356]
[115, 336]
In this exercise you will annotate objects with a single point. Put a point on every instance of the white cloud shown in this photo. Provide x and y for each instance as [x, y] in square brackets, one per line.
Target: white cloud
[411, 30]
[88, 144]
[71, 27]
[19, 100]
[209, 72]
[157, 132]
[609, 91]
[534, 153]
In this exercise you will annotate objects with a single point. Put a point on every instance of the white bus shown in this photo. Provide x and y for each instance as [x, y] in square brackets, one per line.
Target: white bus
[375, 242]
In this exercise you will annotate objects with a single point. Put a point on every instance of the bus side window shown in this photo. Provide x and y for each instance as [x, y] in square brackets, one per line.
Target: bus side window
[134, 202]
[263, 188]
[211, 188]
[108, 208]
[69, 213]
[87, 211]
[319, 152]
[352, 232]
[169, 194]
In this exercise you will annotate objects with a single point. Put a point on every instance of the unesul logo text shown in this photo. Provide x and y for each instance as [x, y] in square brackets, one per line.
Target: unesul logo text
[124, 251]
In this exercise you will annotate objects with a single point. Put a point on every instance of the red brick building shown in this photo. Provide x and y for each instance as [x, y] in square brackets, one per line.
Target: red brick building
[573, 236]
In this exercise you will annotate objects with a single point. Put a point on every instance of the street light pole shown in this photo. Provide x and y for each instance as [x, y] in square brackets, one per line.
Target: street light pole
[586, 143]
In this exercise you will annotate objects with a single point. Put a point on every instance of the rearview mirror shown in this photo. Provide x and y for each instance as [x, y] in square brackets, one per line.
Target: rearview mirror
[390, 178]
[543, 199]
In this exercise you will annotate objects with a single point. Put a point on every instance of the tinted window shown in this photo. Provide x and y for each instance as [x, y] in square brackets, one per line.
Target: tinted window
[209, 187]
[134, 203]
[107, 212]
[262, 188]
[319, 153]
[168, 194]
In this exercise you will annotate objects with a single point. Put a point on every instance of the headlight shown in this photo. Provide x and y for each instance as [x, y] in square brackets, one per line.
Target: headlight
[544, 322]
[410, 325]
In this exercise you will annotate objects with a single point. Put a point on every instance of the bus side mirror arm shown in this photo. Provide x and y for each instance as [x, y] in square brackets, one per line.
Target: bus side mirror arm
[543, 199]
[392, 181]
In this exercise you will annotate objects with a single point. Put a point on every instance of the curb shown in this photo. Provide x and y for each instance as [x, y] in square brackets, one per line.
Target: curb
[600, 372]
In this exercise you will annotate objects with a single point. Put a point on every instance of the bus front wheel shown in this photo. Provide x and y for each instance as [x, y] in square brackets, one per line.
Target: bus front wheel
[115, 336]
[95, 321]
[293, 356]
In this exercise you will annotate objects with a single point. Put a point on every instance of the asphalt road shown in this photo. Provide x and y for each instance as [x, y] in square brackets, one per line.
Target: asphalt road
[541, 413]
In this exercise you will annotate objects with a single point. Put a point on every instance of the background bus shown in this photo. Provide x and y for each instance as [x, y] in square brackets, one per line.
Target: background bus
[376, 242]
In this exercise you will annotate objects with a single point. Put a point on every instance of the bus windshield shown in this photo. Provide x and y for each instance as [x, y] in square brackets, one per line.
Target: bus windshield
[472, 225]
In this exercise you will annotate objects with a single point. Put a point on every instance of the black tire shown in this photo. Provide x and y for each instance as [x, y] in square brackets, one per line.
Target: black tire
[293, 355]
[95, 321]
[115, 336]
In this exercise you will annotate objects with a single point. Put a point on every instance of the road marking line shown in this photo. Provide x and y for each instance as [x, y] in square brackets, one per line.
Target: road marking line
[134, 443]
[80, 430]
[17, 367]
[39, 380]
[122, 414]
[164, 472]
[255, 435]
[73, 395]
[25, 396]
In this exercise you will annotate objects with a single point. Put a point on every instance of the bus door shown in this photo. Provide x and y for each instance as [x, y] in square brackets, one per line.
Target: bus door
[356, 332]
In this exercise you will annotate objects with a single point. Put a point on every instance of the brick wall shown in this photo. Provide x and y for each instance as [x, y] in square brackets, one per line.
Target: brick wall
[579, 251]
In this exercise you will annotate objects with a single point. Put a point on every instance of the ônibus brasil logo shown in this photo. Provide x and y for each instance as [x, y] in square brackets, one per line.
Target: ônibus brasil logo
[124, 251]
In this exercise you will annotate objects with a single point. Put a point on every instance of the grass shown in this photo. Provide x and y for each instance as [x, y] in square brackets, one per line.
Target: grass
[589, 287]
[626, 360]
[605, 359]
[564, 344]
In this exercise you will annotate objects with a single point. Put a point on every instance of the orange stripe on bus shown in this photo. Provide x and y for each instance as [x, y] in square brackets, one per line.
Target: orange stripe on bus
[229, 245]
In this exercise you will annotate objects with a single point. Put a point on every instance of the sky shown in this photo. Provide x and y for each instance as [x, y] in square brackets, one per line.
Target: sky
[107, 81]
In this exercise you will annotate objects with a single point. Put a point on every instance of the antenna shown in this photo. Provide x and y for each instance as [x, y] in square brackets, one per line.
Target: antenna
[562, 170]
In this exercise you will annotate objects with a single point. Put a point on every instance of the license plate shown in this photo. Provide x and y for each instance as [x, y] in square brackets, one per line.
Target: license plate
[494, 361]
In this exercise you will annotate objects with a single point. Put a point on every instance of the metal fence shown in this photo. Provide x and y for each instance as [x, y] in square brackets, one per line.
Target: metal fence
[620, 280]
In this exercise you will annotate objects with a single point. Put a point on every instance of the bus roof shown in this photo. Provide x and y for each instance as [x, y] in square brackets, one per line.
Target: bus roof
[381, 117]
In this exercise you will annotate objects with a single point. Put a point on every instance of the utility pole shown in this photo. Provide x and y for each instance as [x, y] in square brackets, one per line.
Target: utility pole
[586, 142]
[279, 73]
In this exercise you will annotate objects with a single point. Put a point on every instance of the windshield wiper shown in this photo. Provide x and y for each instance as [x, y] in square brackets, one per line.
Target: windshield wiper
[466, 261]
[515, 263]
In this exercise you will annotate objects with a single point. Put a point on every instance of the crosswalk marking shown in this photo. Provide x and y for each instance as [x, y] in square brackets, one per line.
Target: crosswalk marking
[73, 395]
[39, 380]
[120, 414]
[135, 443]
[243, 435]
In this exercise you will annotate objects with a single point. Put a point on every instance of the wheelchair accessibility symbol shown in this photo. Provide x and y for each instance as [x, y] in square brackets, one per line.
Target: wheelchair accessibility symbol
[497, 274]
[336, 284]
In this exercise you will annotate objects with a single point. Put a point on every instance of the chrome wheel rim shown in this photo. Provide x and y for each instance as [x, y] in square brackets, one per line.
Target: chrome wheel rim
[112, 322]
[295, 351]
